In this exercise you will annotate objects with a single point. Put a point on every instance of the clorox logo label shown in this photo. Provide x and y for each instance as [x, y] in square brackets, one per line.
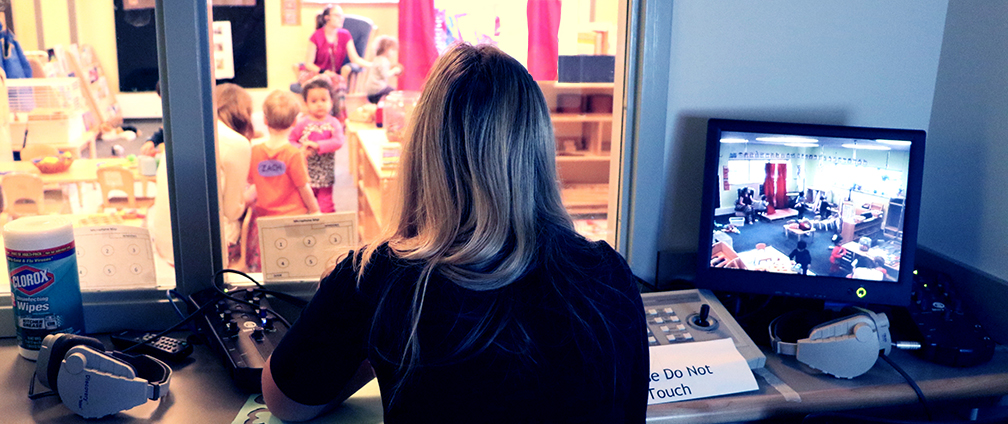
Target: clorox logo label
[30, 280]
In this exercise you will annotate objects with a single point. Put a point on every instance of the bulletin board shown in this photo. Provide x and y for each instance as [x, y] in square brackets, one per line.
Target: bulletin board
[136, 44]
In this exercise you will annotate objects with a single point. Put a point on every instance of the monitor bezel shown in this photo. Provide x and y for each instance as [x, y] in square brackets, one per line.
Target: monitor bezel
[825, 288]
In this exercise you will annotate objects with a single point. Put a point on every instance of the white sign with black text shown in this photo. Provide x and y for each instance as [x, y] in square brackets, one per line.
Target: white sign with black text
[696, 370]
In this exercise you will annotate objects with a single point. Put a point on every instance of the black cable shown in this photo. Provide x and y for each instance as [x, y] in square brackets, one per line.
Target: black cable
[913, 385]
[185, 320]
[253, 305]
[171, 300]
[293, 300]
[31, 390]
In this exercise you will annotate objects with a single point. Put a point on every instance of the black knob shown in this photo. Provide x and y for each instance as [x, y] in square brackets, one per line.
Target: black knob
[701, 319]
[257, 334]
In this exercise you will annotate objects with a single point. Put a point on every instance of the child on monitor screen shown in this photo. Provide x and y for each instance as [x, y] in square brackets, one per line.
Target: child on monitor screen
[801, 256]
[278, 176]
[320, 135]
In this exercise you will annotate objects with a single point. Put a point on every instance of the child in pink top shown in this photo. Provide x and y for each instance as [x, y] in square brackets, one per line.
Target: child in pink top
[320, 134]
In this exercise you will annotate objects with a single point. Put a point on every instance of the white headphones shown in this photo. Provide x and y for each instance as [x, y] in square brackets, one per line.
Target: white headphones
[94, 383]
[845, 347]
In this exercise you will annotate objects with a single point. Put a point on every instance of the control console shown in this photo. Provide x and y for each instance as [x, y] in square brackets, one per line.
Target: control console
[244, 334]
[949, 335]
[683, 316]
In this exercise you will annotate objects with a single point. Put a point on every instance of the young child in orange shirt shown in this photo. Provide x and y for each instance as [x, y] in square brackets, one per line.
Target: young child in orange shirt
[278, 177]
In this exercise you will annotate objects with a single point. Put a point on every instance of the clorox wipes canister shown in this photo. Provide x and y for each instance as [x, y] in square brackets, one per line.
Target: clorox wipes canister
[45, 287]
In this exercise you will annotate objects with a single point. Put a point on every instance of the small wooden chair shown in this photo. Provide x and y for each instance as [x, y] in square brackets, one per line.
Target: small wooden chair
[36, 151]
[23, 195]
[117, 178]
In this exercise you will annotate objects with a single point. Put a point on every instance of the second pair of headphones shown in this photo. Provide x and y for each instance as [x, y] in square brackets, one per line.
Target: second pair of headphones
[94, 382]
[845, 347]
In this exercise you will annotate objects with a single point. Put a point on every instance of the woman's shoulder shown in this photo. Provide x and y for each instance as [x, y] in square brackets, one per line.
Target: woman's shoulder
[317, 36]
[578, 258]
[344, 34]
[380, 264]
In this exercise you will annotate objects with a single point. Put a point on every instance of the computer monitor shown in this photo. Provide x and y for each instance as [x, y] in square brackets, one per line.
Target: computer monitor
[851, 195]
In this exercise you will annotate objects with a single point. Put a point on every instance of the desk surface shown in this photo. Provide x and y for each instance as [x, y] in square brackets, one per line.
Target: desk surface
[202, 391]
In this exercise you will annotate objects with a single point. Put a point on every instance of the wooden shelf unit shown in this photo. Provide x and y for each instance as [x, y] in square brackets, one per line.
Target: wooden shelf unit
[372, 177]
[584, 171]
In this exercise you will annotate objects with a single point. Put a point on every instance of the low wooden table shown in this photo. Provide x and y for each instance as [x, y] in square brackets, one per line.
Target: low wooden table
[799, 233]
[80, 171]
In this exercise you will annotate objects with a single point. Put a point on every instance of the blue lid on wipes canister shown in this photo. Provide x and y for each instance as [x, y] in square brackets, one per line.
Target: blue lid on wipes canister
[45, 286]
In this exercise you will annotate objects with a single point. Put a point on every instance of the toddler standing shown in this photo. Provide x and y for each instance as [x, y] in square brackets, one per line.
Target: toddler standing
[319, 134]
[278, 176]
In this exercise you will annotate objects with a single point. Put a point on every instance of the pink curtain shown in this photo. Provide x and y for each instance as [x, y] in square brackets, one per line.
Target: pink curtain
[781, 198]
[417, 51]
[543, 43]
[768, 184]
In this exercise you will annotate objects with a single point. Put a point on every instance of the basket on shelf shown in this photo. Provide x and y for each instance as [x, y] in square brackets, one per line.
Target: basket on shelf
[54, 164]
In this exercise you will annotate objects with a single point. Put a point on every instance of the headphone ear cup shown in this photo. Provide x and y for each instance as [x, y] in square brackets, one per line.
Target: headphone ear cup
[53, 350]
[796, 325]
[94, 384]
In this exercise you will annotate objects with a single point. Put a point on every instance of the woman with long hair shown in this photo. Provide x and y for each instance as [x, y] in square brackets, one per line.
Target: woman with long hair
[330, 44]
[234, 132]
[479, 302]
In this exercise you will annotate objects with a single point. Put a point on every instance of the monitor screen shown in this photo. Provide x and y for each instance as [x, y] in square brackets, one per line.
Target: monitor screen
[815, 211]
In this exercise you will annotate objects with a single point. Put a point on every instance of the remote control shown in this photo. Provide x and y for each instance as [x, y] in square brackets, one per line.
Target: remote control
[244, 334]
[164, 348]
[949, 335]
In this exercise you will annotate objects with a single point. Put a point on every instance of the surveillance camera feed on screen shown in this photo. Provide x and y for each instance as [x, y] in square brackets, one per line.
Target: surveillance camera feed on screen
[830, 204]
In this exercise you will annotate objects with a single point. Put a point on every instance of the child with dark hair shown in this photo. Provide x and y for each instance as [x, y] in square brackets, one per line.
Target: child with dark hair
[320, 135]
[154, 144]
[801, 256]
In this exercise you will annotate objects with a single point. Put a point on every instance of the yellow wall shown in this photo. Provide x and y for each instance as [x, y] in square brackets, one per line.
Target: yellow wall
[96, 26]
[24, 23]
[285, 45]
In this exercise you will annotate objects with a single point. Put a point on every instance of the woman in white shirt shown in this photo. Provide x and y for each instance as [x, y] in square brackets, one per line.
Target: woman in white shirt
[234, 130]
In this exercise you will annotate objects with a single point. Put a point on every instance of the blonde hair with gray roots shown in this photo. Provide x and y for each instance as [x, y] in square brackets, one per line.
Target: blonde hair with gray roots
[477, 177]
